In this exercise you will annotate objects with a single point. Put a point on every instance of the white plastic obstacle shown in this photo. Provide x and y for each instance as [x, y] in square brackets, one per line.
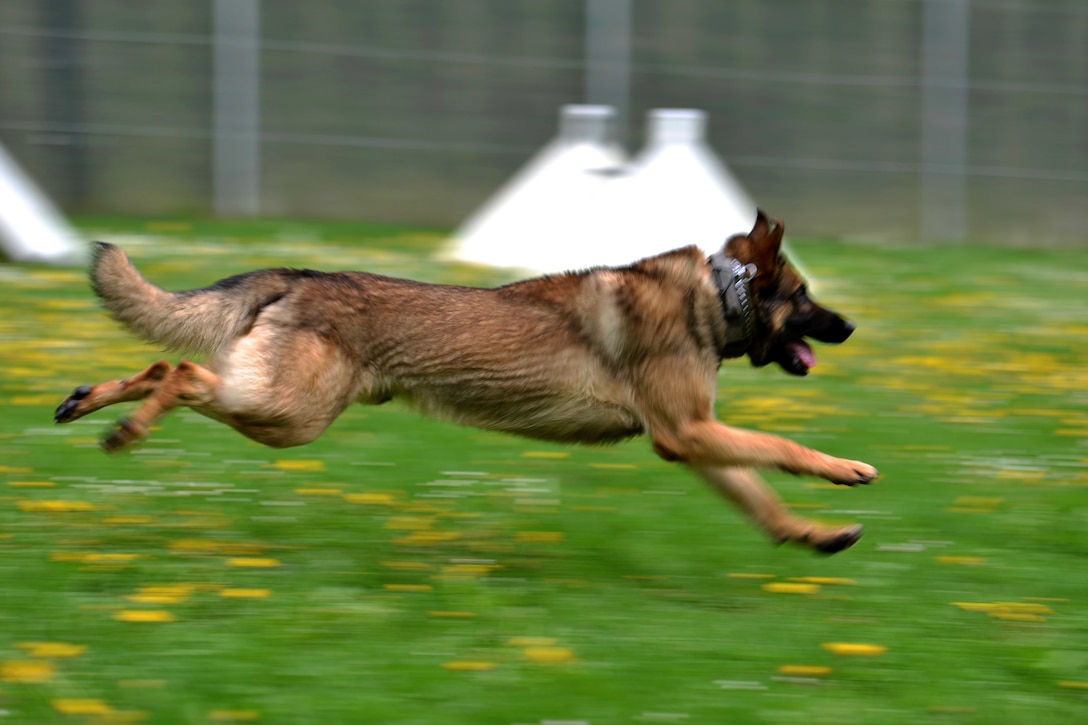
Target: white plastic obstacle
[31, 227]
[678, 192]
[548, 210]
[576, 204]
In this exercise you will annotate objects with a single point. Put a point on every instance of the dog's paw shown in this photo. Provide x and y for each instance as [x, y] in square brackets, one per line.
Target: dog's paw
[124, 433]
[839, 540]
[69, 409]
[852, 473]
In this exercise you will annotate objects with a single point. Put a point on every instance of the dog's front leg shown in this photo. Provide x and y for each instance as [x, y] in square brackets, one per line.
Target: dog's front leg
[702, 443]
[762, 505]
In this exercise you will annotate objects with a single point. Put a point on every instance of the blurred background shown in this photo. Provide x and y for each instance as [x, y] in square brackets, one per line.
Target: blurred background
[892, 120]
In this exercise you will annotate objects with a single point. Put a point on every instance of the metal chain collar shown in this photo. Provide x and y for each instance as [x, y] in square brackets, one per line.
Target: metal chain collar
[732, 278]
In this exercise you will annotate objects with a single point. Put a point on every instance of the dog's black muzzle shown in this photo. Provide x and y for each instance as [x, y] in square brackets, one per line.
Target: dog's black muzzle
[826, 326]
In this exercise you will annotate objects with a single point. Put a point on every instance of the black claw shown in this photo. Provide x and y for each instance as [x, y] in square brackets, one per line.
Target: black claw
[845, 539]
[65, 410]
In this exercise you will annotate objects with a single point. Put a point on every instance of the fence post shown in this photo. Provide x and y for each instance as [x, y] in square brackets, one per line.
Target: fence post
[236, 133]
[608, 60]
[943, 192]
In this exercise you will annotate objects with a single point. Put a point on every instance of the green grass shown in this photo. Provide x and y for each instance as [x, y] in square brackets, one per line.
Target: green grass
[395, 550]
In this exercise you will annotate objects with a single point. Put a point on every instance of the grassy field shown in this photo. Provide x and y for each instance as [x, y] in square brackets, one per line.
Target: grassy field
[407, 571]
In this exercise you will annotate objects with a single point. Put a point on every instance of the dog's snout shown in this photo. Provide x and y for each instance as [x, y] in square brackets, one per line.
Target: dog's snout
[841, 330]
[833, 329]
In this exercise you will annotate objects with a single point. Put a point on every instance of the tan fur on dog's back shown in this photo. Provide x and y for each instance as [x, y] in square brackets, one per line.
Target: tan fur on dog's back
[196, 321]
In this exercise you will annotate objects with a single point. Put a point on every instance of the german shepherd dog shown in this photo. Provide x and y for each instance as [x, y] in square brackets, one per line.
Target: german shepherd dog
[594, 357]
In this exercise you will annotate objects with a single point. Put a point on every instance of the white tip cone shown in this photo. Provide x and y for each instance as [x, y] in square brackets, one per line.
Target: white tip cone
[31, 227]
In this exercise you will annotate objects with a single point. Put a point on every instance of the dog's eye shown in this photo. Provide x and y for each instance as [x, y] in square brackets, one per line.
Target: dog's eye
[801, 294]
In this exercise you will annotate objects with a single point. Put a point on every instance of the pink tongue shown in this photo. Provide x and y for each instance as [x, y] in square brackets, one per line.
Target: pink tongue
[803, 352]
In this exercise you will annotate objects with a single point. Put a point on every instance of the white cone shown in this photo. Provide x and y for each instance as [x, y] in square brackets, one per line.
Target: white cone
[678, 192]
[576, 205]
[547, 217]
[31, 228]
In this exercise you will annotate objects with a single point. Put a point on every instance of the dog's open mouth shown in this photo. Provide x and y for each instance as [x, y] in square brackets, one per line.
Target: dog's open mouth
[797, 357]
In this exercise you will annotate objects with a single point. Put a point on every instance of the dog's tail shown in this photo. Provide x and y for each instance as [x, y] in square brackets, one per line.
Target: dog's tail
[194, 321]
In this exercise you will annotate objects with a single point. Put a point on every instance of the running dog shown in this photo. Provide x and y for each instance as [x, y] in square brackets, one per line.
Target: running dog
[594, 356]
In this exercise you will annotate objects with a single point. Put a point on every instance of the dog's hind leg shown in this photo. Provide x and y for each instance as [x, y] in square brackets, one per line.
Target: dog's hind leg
[89, 398]
[188, 384]
[761, 504]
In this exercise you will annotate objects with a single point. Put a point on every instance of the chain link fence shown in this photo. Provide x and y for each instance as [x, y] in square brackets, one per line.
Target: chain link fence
[849, 118]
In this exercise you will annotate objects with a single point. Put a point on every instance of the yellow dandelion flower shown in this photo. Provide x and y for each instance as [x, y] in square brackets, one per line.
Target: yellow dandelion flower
[822, 580]
[245, 593]
[854, 649]
[256, 562]
[409, 523]
[975, 606]
[468, 666]
[549, 655]
[407, 565]
[54, 507]
[791, 588]
[161, 594]
[300, 465]
[379, 499]
[52, 650]
[96, 558]
[207, 546]
[469, 570]
[804, 670]
[1024, 607]
[27, 671]
[1012, 616]
[81, 706]
[426, 538]
[143, 615]
[407, 587]
[963, 560]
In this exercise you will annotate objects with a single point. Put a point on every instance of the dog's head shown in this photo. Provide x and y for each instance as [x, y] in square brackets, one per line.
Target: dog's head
[783, 314]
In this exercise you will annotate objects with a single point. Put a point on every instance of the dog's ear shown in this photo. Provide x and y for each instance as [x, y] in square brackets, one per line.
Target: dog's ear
[761, 228]
[766, 236]
[761, 245]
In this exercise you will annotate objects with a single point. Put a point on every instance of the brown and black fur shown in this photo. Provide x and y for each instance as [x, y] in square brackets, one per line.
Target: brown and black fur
[583, 357]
